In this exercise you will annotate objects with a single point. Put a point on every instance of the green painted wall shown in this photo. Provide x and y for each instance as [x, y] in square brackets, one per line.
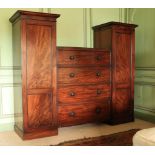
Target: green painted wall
[145, 62]
[73, 29]
[145, 37]
[7, 87]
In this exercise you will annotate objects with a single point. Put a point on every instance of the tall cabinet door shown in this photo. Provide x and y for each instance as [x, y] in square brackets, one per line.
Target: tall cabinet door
[122, 76]
[120, 39]
[39, 74]
[39, 56]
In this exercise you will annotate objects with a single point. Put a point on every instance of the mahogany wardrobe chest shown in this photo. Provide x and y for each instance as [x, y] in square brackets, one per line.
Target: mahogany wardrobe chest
[119, 38]
[34, 42]
[65, 86]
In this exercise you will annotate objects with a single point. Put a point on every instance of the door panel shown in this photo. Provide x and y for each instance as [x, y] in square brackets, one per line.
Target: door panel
[123, 57]
[39, 110]
[122, 101]
[38, 56]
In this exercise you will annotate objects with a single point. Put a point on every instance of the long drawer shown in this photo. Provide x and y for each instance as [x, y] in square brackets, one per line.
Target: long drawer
[78, 94]
[83, 75]
[83, 113]
[83, 57]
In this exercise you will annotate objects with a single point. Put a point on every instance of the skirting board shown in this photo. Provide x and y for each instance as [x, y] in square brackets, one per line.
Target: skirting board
[145, 115]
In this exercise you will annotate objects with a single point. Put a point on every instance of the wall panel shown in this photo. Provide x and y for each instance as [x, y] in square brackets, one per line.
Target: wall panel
[145, 61]
[8, 88]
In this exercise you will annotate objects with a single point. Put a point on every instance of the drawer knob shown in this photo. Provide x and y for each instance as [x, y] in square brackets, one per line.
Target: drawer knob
[98, 74]
[72, 57]
[98, 110]
[98, 58]
[71, 114]
[98, 92]
[72, 94]
[71, 74]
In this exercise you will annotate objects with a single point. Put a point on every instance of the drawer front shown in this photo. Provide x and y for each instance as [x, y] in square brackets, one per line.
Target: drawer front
[77, 94]
[83, 58]
[83, 75]
[83, 113]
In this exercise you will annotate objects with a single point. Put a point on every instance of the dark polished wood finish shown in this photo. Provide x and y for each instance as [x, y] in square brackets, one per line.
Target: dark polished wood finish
[83, 93]
[83, 57]
[36, 134]
[66, 86]
[83, 113]
[36, 33]
[83, 75]
[39, 56]
[119, 38]
[84, 88]
[39, 110]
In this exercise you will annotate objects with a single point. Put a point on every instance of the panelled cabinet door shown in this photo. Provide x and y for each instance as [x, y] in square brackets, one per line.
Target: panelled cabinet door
[122, 101]
[119, 38]
[39, 110]
[39, 49]
[34, 41]
[122, 71]
[38, 38]
[123, 57]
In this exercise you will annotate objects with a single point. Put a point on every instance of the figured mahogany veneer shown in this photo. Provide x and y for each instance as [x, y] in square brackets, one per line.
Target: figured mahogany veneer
[83, 93]
[39, 110]
[83, 113]
[84, 88]
[66, 86]
[119, 38]
[83, 57]
[83, 75]
[39, 56]
[34, 40]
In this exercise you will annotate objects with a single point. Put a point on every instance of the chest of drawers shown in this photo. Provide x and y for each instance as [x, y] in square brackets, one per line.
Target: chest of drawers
[83, 82]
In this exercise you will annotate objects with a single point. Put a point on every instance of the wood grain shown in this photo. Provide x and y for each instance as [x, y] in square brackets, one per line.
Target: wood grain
[36, 133]
[103, 38]
[83, 75]
[84, 113]
[38, 56]
[123, 61]
[83, 57]
[119, 38]
[82, 94]
[37, 34]
[39, 110]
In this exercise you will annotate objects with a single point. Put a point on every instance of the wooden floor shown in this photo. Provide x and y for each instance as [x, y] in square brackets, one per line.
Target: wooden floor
[75, 132]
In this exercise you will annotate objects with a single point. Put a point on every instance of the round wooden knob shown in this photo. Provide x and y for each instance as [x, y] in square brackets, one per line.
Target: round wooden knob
[98, 110]
[71, 114]
[72, 93]
[98, 58]
[71, 74]
[98, 92]
[98, 74]
[72, 57]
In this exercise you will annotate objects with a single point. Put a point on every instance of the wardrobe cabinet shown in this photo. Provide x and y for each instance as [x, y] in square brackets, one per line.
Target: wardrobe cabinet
[34, 42]
[65, 86]
[119, 38]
